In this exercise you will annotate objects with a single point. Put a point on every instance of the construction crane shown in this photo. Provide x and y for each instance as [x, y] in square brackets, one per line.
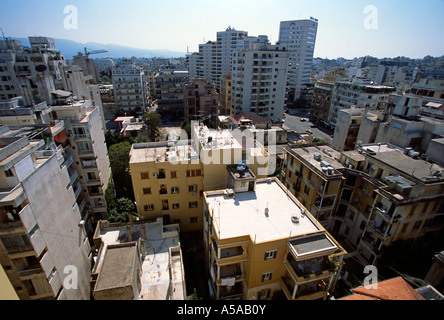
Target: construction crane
[88, 63]
[93, 52]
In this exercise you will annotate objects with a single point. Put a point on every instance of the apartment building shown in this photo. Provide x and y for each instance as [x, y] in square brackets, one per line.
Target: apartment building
[138, 261]
[44, 249]
[408, 205]
[226, 107]
[275, 248]
[83, 137]
[323, 94]
[356, 126]
[77, 128]
[170, 93]
[169, 177]
[361, 94]
[32, 73]
[299, 36]
[259, 78]
[200, 99]
[168, 183]
[311, 174]
[404, 127]
[214, 58]
[383, 194]
[130, 88]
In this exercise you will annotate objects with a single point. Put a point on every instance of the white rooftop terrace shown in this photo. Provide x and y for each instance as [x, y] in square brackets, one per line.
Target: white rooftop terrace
[156, 276]
[214, 139]
[245, 214]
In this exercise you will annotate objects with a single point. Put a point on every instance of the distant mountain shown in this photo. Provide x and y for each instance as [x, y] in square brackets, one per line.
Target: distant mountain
[71, 48]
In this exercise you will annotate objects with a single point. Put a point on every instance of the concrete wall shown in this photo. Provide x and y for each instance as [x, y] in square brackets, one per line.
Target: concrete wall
[54, 209]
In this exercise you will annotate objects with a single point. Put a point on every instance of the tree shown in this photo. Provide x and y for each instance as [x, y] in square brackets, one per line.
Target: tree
[124, 208]
[153, 122]
[119, 161]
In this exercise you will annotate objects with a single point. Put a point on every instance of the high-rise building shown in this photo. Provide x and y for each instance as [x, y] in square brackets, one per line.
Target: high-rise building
[130, 88]
[169, 87]
[299, 36]
[259, 78]
[214, 58]
[42, 235]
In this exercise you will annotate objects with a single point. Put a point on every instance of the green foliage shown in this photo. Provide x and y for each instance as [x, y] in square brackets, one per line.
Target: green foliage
[153, 122]
[124, 206]
[119, 161]
[119, 157]
[194, 296]
[114, 138]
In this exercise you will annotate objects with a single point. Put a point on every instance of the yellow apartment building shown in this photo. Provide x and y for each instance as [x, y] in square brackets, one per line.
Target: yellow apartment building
[167, 181]
[261, 243]
[169, 177]
[311, 174]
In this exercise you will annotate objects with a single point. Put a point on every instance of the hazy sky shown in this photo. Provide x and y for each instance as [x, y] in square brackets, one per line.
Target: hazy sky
[404, 27]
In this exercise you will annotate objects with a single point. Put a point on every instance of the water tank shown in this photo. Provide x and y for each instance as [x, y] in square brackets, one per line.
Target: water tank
[317, 156]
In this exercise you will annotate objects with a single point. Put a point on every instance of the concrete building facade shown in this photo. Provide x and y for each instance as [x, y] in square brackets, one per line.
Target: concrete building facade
[259, 78]
[43, 240]
[299, 36]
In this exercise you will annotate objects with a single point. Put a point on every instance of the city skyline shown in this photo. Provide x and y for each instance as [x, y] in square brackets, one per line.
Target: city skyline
[348, 30]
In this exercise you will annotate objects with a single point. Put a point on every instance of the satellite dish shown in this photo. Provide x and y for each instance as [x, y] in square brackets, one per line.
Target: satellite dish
[41, 68]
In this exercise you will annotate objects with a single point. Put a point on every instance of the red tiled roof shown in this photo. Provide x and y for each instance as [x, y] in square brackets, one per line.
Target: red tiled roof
[392, 289]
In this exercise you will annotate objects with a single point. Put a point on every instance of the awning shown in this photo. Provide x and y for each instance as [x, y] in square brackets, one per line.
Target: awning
[62, 93]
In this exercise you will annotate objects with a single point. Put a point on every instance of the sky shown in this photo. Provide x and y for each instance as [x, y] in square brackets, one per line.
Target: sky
[387, 29]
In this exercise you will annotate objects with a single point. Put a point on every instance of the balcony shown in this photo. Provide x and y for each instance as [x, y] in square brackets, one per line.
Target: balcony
[310, 269]
[235, 292]
[13, 196]
[380, 228]
[308, 291]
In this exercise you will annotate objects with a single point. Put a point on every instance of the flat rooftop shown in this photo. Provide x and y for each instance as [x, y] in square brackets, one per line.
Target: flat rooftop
[245, 214]
[319, 158]
[396, 158]
[156, 277]
[161, 152]
[117, 267]
[215, 139]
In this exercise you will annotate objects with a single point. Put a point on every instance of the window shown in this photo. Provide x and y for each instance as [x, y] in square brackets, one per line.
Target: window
[192, 188]
[306, 190]
[176, 206]
[193, 220]
[270, 254]
[149, 207]
[144, 175]
[9, 173]
[416, 225]
[146, 190]
[163, 189]
[175, 190]
[193, 204]
[266, 276]
[194, 173]
[173, 174]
